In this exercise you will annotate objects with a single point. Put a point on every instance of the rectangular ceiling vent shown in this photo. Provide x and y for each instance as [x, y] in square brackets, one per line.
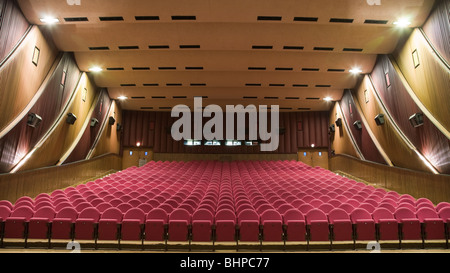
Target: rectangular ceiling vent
[99, 48]
[174, 84]
[146, 108]
[341, 20]
[306, 19]
[184, 17]
[76, 19]
[189, 46]
[141, 68]
[323, 48]
[151, 84]
[336, 70]
[352, 49]
[292, 98]
[128, 47]
[300, 85]
[146, 18]
[376, 22]
[323, 86]
[198, 84]
[262, 47]
[257, 68]
[285, 108]
[277, 85]
[167, 68]
[249, 98]
[127, 84]
[293, 47]
[271, 98]
[284, 68]
[179, 97]
[194, 68]
[158, 97]
[252, 84]
[158, 46]
[115, 69]
[111, 18]
[269, 18]
[313, 98]
[137, 98]
[310, 69]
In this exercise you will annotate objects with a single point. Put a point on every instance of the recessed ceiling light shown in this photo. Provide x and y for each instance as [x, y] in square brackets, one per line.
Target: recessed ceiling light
[328, 99]
[403, 22]
[49, 20]
[122, 97]
[95, 69]
[355, 71]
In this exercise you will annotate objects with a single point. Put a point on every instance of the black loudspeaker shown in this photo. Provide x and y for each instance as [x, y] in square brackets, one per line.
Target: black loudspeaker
[119, 127]
[416, 120]
[339, 122]
[358, 125]
[34, 120]
[112, 121]
[380, 119]
[94, 122]
[71, 118]
[332, 128]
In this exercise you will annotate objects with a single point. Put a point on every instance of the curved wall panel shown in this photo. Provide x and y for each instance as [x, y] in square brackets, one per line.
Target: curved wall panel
[437, 28]
[428, 140]
[341, 142]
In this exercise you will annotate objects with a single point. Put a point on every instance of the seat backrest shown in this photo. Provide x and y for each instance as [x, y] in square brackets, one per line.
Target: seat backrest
[68, 213]
[438, 207]
[338, 214]
[347, 207]
[25, 212]
[315, 215]
[180, 214]
[6, 204]
[305, 208]
[425, 213]
[225, 214]
[382, 214]
[293, 214]
[158, 214]
[326, 208]
[146, 208]
[404, 213]
[444, 213]
[90, 213]
[387, 206]
[203, 214]
[360, 214]
[124, 207]
[247, 214]
[112, 214]
[271, 214]
[135, 214]
[45, 212]
[5, 212]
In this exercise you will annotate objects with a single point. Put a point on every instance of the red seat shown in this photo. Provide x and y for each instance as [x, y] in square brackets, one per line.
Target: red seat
[40, 222]
[248, 221]
[364, 225]
[341, 225]
[317, 225]
[432, 225]
[63, 223]
[410, 225]
[295, 225]
[108, 225]
[272, 223]
[387, 225]
[225, 226]
[179, 221]
[202, 221]
[85, 225]
[132, 225]
[16, 224]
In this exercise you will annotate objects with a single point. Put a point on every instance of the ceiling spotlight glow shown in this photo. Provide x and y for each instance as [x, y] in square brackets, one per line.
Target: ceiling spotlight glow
[403, 22]
[355, 71]
[328, 99]
[122, 97]
[95, 69]
[49, 20]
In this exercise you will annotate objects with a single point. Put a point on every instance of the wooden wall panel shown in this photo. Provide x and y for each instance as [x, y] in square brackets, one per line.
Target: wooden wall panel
[109, 141]
[437, 28]
[428, 140]
[157, 136]
[222, 157]
[46, 180]
[15, 145]
[362, 137]
[403, 181]
[341, 141]
[430, 80]
[397, 150]
[13, 25]
[63, 135]
[20, 79]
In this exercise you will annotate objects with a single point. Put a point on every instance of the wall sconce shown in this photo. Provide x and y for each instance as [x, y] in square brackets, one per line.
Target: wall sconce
[416, 120]
[358, 125]
[34, 120]
[94, 122]
[71, 118]
[380, 119]
[112, 120]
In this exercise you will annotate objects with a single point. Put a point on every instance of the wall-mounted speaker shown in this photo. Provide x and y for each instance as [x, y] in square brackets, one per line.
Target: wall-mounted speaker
[416, 120]
[358, 125]
[94, 122]
[380, 119]
[119, 127]
[71, 118]
[112, 121]
[332, 128]
[34, 120]
[339, 122]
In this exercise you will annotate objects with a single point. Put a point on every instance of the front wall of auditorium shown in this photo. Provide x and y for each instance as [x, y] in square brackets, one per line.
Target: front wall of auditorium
[394, 156]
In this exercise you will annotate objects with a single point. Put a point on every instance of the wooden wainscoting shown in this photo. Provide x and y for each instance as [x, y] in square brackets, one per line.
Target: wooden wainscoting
[222, 157]
[46, 180]
[133, 156]
[404, 181]
[314, 157]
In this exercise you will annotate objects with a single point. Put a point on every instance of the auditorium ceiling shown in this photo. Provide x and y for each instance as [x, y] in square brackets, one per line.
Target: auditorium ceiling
[291, 53]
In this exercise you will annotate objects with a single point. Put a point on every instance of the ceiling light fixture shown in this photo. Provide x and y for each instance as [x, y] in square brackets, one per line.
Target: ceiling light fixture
[122, 97]
[95, 69]
[328, 99]
[402, 23]
[49, 20]
[355, 71]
